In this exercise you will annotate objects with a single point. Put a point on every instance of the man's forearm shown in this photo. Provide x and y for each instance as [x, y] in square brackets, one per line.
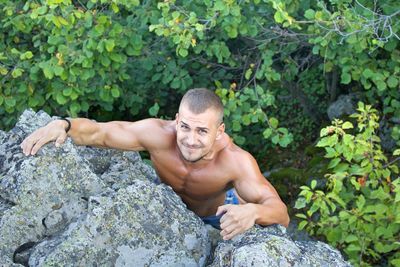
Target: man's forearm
[84, 132]
[270, 212]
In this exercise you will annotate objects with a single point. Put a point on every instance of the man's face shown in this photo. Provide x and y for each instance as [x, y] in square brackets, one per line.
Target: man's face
[196, 133]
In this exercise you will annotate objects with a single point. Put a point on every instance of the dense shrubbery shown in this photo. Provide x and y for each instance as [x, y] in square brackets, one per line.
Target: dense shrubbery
[127, 59]
[357, 206]
[276, 64]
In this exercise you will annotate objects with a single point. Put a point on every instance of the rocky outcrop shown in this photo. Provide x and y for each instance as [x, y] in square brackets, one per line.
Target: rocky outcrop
[271, 246]
[81, 206]
[344, 105]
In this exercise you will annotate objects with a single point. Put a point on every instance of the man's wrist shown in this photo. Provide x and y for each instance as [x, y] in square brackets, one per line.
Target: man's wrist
[255, 210]
[66, 124]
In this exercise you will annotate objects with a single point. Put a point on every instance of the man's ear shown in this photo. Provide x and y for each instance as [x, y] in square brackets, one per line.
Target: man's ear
[220, 131]
[176, 121]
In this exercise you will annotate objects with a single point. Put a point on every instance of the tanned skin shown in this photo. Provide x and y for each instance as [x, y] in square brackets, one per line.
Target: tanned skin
[193, 155]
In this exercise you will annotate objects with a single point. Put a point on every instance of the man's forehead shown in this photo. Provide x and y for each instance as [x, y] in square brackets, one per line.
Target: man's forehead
[194, 121]
[204, 119]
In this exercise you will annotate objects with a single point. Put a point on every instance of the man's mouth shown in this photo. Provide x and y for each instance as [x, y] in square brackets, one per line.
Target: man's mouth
[191, 147]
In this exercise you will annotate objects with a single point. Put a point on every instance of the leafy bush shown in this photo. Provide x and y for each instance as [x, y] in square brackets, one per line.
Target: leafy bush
[357, 206]
[285, 60]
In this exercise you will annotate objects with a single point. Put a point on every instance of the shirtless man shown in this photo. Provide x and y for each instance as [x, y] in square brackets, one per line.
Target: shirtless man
[192, 154]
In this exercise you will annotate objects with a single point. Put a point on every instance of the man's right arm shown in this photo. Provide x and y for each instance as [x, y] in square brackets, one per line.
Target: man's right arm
[116, 134]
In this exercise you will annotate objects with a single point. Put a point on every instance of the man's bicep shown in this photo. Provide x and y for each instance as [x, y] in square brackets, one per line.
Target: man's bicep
[251, 185]
[136, 136]
[255, 191]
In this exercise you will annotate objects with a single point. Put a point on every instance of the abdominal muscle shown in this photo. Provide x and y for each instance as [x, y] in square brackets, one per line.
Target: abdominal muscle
[204, 207]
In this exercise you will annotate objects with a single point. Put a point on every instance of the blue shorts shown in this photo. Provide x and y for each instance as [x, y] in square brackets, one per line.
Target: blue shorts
[213, 220]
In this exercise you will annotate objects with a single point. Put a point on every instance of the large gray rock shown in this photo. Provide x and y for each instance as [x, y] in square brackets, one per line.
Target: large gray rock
[271, 246]
[81, 206]
[73, 205]
[344, 105]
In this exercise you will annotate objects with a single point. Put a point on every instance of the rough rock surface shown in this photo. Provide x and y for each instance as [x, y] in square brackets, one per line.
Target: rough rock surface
[271, 246]
[80, 206]
[344, 105]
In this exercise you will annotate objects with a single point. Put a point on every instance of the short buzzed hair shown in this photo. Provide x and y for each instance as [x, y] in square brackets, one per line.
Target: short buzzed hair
[198, 100]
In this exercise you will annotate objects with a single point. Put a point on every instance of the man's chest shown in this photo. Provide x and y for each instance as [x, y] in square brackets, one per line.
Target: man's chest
[198, 182]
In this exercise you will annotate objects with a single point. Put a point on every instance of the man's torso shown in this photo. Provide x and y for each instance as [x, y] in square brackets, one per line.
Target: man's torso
[202, 188]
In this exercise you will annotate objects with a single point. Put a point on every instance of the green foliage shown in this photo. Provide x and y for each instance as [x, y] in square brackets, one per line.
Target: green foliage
[247, 107]
[119, 59]
[356, 207]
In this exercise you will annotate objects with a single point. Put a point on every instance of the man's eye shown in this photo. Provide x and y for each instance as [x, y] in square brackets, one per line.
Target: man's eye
[184, 126]
[203, 131]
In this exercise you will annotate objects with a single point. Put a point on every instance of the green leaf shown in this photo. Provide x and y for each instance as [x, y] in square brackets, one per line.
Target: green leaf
[183, 52]
[17, 72]
[347, 125]
[248, 73]
[48, 72]
[115, 92]
[236, 126]
[67, 91]
[353, 247]
[279, 16]
[345, 78]
[381, 85]
[153, 111]
[328, 141]
[58, 70]
[61, 99]
[110, 44]
[333, 163]
[313, 184]
[10, 101]
[176, 83]
[392, 82]
[300, 203]
[275, 139]
[267, 133]
[302, 225]
[273, 122]
[395, 262]
[367, 73]
[75, 107]
[360, 202]
[286, 140]
[300, 215]
[309, 14]
[350, 238]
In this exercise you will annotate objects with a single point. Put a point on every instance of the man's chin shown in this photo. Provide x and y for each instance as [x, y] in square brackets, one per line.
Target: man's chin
[192, 159]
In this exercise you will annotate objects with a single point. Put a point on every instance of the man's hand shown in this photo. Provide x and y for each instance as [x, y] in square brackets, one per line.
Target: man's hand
[55, 130]
[236, 219]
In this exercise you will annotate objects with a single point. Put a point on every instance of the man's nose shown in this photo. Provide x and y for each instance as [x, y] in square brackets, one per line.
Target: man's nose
[191, 139]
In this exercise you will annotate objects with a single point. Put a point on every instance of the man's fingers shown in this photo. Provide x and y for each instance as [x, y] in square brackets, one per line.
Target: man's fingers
[227, 229]
[222, 209]
[38, 145]
[27, 145]
[232, 234]
[60, 140]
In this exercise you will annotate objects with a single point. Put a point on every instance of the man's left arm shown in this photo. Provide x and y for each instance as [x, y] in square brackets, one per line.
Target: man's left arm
[263, 205]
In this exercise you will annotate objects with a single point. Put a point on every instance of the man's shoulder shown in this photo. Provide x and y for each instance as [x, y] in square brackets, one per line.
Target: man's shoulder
[235, 156]
[167, 126]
